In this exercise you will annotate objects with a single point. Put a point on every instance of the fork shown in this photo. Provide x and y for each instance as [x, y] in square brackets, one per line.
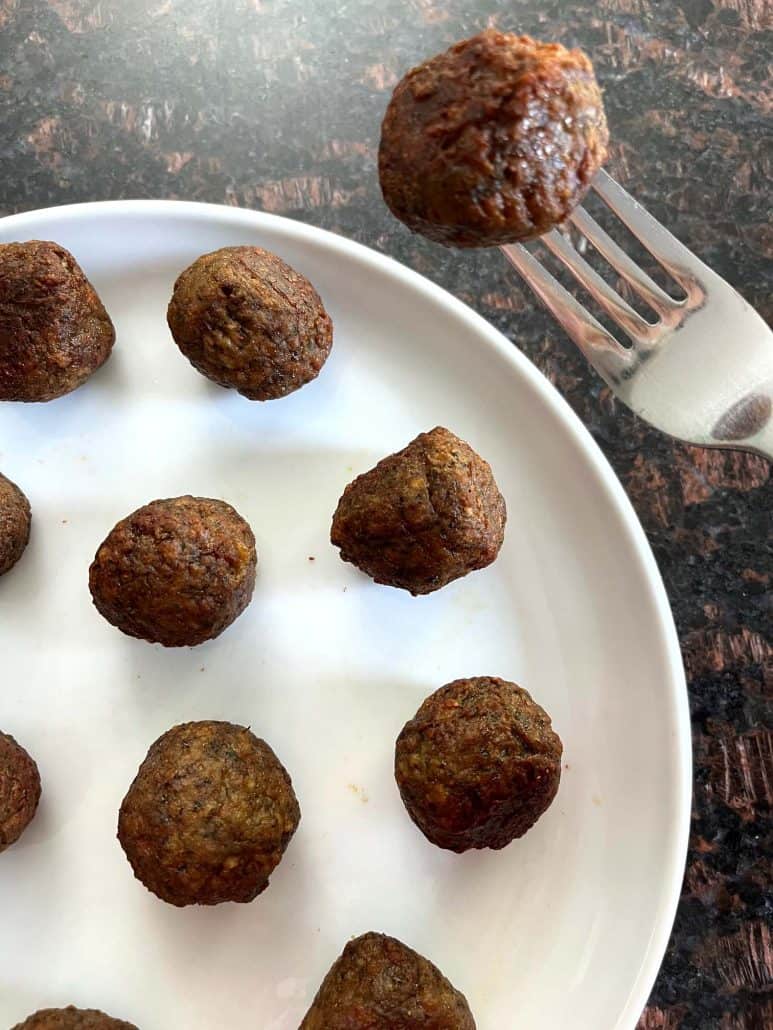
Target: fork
[702, 369]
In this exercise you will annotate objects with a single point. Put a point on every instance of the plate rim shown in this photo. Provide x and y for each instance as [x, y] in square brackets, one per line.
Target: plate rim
[571, 424]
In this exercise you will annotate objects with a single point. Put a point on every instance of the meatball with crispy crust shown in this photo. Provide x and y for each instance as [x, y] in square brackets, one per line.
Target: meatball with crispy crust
[478, 764]
[15, 520]
[379, 983]
[493, 141]
[72, 1019]
[175, 572]
[247, 320]
[422, 517]
[54, 330]
[19, 790]
[208, 816]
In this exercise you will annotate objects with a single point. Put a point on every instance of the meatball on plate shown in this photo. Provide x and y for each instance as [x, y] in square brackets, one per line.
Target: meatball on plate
[478, 764]
[19, 790]
[15, 522]
[380, 982]
[422, 517]
[72, 1019]
[247, 320]
[175, 572]
[208, 816]
[223, 843]
[54, 330]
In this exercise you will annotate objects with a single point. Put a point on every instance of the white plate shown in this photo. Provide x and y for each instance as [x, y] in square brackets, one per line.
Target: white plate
[564, 928]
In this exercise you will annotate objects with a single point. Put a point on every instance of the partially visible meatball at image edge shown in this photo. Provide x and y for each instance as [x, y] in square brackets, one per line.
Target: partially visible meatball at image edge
[379, 983]
[495, 140]
[19, 790]
[54, 330]
[72, 1018]
[15, 524]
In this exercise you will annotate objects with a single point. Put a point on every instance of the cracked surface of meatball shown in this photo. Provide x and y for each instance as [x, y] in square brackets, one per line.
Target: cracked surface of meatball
[208, 816]
[19, 790]
[422, 517]
[247, 320]
[493, 141]
[71, 1018]
[478, 764]
[54, 330]
[15, 522]
[175, 572]
[379, 983]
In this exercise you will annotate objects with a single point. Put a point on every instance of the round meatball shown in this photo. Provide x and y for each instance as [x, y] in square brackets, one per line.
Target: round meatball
[72, 1019]
[15, 520]
[493, 141]
[247, 320]
[175, 572]
[19, 790]
[54, 330]
[379, 982]
[478, 764]
[422, 517]
[208, 816]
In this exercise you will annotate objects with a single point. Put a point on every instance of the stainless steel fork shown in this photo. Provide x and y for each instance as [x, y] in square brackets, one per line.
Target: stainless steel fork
[701, 369]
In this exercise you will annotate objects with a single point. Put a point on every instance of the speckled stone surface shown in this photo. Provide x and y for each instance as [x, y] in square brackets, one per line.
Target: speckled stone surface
[276, 105]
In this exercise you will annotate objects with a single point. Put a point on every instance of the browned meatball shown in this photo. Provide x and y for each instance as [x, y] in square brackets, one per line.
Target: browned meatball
[478, 764]
[247, 320]
[19, 790]
[72, 1019]
[493, 141]
[422, 517]
[15, 519]
[208, 816]
[175, 572]
[378, 983]
[54, 331]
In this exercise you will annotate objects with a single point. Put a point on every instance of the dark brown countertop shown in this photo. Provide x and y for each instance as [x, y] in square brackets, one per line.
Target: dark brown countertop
[276, 105]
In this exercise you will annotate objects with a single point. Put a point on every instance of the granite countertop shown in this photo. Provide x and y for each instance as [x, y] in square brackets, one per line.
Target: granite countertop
[276, 105]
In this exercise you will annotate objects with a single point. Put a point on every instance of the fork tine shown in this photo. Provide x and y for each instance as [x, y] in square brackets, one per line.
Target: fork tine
[600, 348]
[663, 245]
[618, 309]
[625, 266]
